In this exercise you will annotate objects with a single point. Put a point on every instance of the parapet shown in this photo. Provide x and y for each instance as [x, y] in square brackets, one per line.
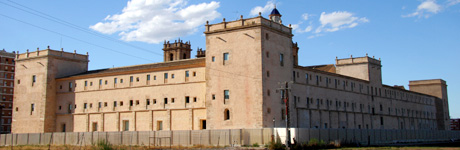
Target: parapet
[357, 60]
[50, 52]
[200, 53]
[427, 82]
[243, 23]
[178, 44]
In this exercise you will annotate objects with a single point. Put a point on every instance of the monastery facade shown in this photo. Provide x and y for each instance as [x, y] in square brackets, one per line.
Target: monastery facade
[232, 84]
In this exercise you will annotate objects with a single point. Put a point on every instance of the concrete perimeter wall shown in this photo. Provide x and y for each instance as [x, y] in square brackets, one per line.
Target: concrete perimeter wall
[230, 137]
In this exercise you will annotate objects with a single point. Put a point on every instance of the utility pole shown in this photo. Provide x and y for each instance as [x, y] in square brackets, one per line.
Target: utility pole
[285, 97]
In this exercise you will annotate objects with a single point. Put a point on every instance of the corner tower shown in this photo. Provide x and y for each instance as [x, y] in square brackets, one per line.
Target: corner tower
[239, 58]
[34, 108]
[176, 51]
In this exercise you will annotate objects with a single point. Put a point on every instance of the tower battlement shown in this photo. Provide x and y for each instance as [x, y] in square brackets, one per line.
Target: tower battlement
[244, 23]
[177, 44]
[357, 60]
[50, 52]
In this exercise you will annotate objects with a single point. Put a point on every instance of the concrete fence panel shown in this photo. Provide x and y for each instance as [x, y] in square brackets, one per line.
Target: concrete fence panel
[181, 138]
[58, 138]
[314, 134]
[324, 135]
[236, 137]
[34, 139]
[22, 139]
[143, 137]
[71, 138]
[342, 135]
[267, 135]
[114, 138]
[162, 138]
[200, 137]
[221, 137]
[45, 138]
[3, 139]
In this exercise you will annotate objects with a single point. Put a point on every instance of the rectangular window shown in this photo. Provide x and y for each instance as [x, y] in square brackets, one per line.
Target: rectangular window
[34, 79]
[85, 105]
[94, 126]
[225, 57]
[121, 103]
[166, 75]
[154, 77]
[86, 83]
[70, 86]
[131, 102]
[115, 80]
[121, 80]
[213, 58]
[187, 99]
[148, 77]
[115, 104]
[131, 79]
[147, 101]
[187, 74]
[226, 94]
[125, 125]
[99, 105]
[32, 108]
[281, 59]
[159, 125]
[166, 100]
[100, 81]
[194, 99]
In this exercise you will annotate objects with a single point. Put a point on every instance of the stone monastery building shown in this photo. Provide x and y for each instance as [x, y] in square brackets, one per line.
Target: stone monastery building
[232, 84]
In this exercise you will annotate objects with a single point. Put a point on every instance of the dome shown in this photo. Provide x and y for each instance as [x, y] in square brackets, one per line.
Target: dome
[275, 12]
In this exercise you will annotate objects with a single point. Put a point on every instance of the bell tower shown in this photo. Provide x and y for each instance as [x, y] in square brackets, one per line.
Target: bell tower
[176, 51]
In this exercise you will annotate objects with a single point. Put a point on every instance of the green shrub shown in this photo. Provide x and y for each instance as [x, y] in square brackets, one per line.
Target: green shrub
[103, 145]
[255, 145]
[276, 146]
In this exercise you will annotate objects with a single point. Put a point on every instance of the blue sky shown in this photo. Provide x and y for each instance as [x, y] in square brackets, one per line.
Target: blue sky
[416, 39]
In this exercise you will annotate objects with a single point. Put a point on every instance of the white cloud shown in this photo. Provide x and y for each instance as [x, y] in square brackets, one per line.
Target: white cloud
[452, 2]
[331, 22]
[305, 16]
[268, 7]
[426, 9]
[154, 21]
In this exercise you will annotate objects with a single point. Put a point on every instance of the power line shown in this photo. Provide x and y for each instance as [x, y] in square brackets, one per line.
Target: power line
[73, 38]
[71, 25]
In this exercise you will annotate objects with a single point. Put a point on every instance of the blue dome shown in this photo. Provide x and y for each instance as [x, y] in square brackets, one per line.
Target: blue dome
[275, 12]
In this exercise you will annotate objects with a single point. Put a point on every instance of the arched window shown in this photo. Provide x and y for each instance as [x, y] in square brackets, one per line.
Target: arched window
[227, 114]
[171, 57]
[184, 56]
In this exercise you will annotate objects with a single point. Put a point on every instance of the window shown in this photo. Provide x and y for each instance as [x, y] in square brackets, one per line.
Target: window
[381, 120]
[99, 105]
[125, 125]
[194, 73]
[213, 96]
[86, 83]
[34, 79]
[115, 104]
[100, 81]
[90, 83]
[227, 114]
[131, 102]
[131, 79]
[94, 126]
[148, 77]
[267, 54]
[60, 107]
[203, 124]
[172, 100]
[268, 73]
[70, 86]
[226, 57]
[166, 75]
[154, 77]
[172, 76]
[32, 108]
[106, 82]
[85, 105]
[121, 80]
[166, 100]
[187, 99]
[105, 104]
[90, 105]
[137, 102]
[194, 99]
[147, 101]
[121, 103]
[19, 81]
[186, 74]
[281, 59]
[154, 101]
[159, 125]
[226, 94]
[213, 58]
[137, 79]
